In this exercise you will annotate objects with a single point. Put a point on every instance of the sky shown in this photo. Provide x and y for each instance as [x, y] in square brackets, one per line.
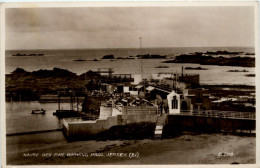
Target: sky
[121, 27]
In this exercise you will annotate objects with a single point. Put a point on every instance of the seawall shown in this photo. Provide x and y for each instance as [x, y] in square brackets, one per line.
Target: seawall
[76, 129]
[201, 123]
[174, 124]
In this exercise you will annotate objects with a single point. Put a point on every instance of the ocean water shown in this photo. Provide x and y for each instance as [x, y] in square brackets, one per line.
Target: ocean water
[19, 117]
[65, 59]
[18, 114]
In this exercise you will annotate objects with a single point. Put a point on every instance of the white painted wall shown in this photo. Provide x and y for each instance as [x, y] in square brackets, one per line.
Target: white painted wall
[137, 79]
[134, 93]
[116, 112]
[105, 112]
[126, 89]
[170, 98]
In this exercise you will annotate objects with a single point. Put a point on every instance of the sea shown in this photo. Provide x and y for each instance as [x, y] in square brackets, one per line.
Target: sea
[18, 114]
[19, 118]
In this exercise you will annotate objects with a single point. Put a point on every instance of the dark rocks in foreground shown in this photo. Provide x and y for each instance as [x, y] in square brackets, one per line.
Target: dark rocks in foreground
[27, 86]
[245, 103]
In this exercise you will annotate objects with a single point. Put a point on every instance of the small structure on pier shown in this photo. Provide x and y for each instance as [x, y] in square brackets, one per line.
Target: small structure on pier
[108, 71]
[108, 76]
[62, 113]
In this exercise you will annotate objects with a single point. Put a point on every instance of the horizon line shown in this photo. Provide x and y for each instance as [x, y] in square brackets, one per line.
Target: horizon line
[106, 48]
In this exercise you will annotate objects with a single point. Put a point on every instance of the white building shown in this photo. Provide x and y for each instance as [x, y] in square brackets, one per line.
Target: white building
[174, 103]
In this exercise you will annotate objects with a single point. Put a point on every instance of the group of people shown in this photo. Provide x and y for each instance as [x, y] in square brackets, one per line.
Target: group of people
[163, 108]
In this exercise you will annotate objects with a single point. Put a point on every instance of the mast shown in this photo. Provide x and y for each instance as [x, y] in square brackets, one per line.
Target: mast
[71, 101]
[58, 100]
[141, 59]
[77, 101]
[176, 81]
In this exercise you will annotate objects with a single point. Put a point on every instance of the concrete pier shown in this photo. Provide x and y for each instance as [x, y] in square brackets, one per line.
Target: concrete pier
[186, 122]
[227, 122]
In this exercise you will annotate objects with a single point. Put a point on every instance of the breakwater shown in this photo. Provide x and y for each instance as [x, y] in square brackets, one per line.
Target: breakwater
[179, 123]
[174, 124]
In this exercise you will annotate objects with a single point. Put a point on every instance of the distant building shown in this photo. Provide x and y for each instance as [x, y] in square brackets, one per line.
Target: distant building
[182, 93]
[196, 99]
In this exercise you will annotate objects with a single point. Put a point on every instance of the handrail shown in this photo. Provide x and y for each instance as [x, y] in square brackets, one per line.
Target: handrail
[220, 114]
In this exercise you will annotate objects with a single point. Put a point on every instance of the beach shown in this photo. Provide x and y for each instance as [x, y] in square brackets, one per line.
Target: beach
[189, 148]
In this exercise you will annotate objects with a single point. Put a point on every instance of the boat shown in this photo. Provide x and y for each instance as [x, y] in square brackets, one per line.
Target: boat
[38, 111]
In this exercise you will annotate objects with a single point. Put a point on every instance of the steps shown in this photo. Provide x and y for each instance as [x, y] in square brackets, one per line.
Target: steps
[159, 126]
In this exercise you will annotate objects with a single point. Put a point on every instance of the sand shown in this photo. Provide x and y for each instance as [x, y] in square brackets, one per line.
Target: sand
[53, 149]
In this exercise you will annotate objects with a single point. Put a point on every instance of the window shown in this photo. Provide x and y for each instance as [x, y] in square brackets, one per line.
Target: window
[174, 102]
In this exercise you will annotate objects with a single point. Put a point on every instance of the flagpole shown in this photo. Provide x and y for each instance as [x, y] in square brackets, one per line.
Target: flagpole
[141, 59]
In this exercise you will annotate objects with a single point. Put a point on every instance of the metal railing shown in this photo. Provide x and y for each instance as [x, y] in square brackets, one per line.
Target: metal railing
[220, 114]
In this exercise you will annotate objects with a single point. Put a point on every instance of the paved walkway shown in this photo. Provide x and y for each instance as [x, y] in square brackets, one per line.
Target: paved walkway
[159, 126]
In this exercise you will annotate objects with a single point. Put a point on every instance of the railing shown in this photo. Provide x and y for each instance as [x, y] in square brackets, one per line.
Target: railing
[139, 110]
[163, 87]
[220, 114]
[76, 119]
